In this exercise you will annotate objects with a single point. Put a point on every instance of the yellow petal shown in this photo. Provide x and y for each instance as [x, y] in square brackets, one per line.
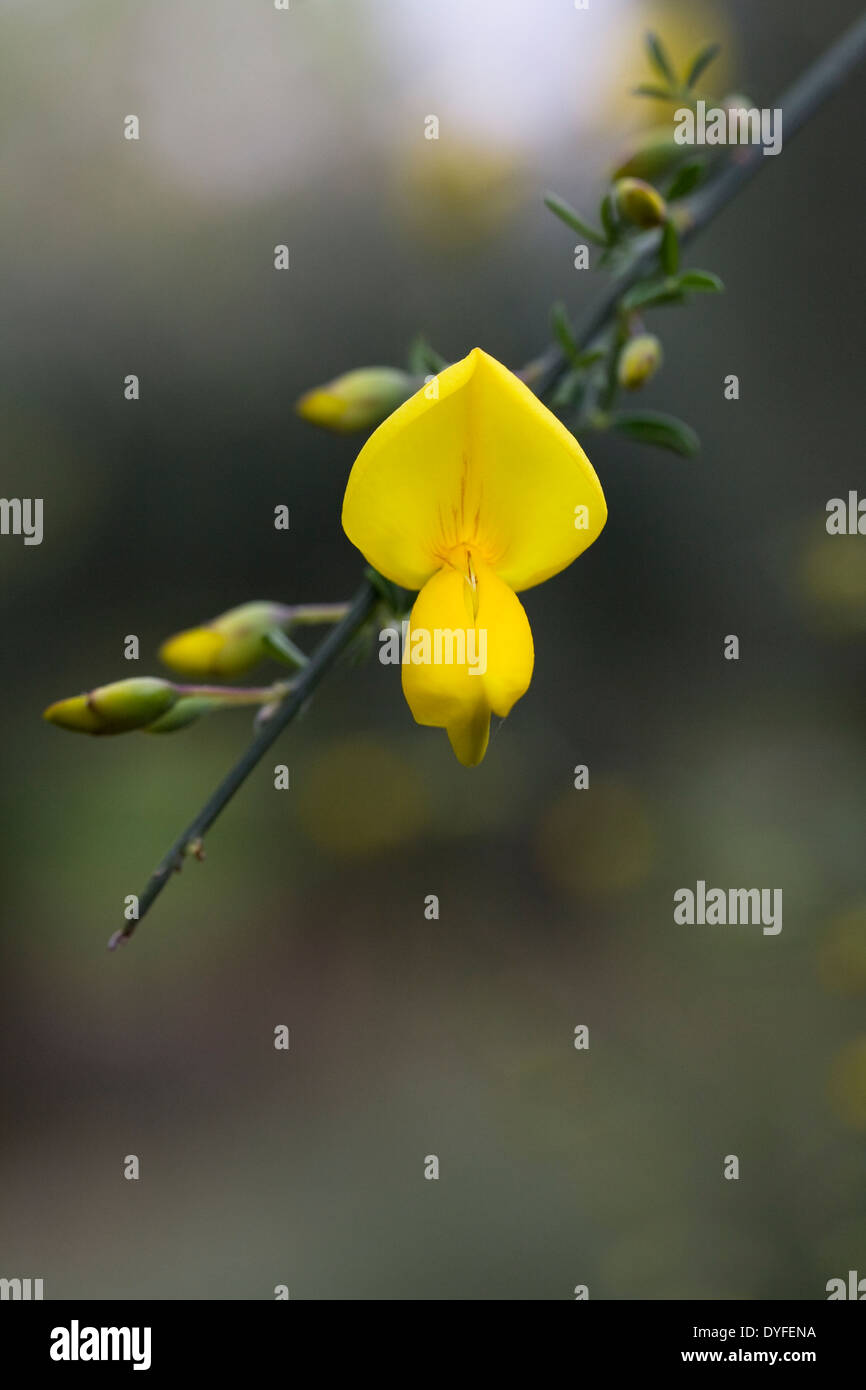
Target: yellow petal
[473, 459]
[469, 654]
[535, 483]
[509, 650]
[74, 713]
[469, 737]
[194, 652]
[407, 478]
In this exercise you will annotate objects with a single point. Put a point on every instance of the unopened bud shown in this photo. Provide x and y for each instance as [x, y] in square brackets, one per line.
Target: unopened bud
[227, 646]
[357, 401]
[640, 203]
[639, 360]
[115, 709]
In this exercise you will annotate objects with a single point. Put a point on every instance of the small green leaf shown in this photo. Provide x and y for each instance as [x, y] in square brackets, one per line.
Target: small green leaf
[665, 431]
[659, 58]
[588, 359]
[652, 292]
[685, 179]
[565, 390]
[670, 290]
[563, 334]
[701, 62]
[702, 281]
[670, 249]
[646, 89]
[283, 649]
[423, 359]
[572, 219]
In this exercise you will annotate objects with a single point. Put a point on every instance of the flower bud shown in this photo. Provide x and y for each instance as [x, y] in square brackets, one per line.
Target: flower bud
[115, 709]
[227, 646]
[358, 400]
[640, 203]
[639, 360]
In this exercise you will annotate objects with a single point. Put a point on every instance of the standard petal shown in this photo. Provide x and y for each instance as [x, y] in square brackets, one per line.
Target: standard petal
[405, 486]
[541, 501]
[483, 464]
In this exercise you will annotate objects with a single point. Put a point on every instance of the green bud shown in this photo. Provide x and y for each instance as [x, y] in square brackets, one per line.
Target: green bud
[358, 400]
[640, 203]
[116, 708]
[639, 360]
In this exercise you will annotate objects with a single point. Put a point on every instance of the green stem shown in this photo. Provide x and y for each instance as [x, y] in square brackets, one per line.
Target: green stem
[799, 103]
[312, 614]
[239, 695]
[320, 662]
[618, 338]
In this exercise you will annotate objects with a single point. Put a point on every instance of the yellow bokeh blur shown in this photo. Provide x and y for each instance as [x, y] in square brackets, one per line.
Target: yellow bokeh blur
[596, 843]
[842, 953]
[831, 580]
[847, 1084]
[360, 798]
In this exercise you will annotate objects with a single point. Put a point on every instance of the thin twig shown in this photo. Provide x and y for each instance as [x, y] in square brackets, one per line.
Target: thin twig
[798, 104]
[190, 841]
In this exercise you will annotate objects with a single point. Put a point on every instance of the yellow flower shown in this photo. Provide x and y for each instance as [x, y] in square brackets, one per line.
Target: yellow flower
[471, 491]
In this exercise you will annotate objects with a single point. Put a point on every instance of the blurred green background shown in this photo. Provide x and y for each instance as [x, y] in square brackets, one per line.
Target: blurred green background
[412, 1037]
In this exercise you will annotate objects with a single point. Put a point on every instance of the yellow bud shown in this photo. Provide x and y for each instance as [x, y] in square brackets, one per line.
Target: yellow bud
[194, 652]
[74, 713]
[357, 401]
[639, 360]
[227, 646]
[115, 709]
[640, 203]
